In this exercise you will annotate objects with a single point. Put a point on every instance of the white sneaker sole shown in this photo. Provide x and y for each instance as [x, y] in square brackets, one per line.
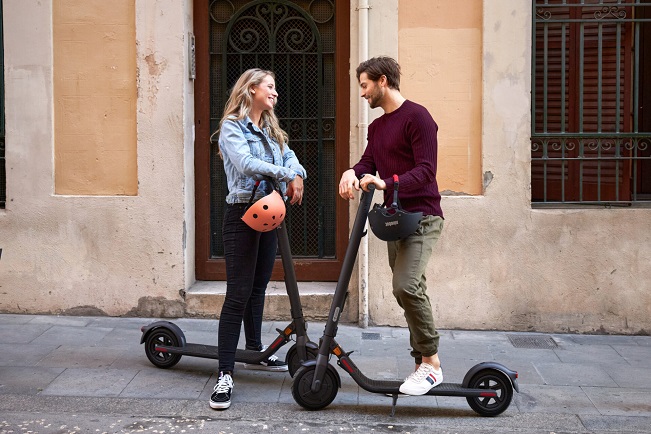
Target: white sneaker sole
[220, 405]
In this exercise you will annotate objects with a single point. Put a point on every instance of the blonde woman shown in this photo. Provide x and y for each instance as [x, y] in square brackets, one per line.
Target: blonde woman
[254, 148]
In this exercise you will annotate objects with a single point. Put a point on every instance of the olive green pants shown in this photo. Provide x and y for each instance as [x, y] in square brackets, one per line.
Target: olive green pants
[408, 260]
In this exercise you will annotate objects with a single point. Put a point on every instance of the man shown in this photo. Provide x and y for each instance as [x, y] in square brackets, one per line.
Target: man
[403, 142]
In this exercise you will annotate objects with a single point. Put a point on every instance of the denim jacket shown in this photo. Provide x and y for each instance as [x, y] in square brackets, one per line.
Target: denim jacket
[245, 150]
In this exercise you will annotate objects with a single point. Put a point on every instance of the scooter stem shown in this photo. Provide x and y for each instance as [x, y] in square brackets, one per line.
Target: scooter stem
[341, 291]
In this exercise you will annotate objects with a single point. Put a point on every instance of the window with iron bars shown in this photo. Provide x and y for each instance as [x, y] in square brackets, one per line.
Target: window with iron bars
[591, 106]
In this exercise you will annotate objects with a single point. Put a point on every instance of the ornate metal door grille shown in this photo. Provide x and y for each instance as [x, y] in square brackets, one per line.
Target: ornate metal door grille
[296, 40]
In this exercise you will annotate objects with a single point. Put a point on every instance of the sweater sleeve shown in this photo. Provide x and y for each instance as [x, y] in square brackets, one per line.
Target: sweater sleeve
[366, 164]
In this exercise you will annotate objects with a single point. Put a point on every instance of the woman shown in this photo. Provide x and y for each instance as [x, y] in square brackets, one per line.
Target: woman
[254, 148]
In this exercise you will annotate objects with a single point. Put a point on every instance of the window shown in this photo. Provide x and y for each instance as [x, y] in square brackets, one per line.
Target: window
[591, 135]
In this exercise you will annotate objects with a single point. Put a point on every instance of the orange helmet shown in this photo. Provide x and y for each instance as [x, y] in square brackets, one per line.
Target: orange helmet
[266, 214]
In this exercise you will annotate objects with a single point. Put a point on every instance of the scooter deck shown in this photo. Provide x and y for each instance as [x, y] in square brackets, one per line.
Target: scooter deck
[392, 387]
[444, 389]
[211, 352]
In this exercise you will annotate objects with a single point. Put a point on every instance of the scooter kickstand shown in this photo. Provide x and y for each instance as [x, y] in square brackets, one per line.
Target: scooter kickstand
[393, 406]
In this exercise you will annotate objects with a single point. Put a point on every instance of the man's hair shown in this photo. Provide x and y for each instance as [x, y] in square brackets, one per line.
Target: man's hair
[379, 66]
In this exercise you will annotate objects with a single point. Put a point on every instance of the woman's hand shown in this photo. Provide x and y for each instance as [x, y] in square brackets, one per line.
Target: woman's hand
[295, 190]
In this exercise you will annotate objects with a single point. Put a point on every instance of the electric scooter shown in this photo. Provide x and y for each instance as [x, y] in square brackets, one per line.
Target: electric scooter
[165, 343]
[488, 386]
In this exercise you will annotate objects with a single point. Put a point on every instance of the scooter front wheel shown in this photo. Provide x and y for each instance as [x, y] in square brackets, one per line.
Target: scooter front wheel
[302, 388]
[493, 380]
[161, 336]
[293, 361]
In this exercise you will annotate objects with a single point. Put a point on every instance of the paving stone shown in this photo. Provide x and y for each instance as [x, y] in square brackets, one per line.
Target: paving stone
[620, 401]
[75, 321]
[26, 380]
[166, 383]
[23, 354]
[527, 372]
[631, 376]
[21, 333]
[465, 349]
[67, 356]
[602, 340]
[616, 424]
[260, 386]
[118, 322]
[554, 399]
[590, 354]
[509, 352]
[635, 355]
[566, 374]
[480, 337]
[73, 336]
[8, 318]
[90, 382]
[119, 337]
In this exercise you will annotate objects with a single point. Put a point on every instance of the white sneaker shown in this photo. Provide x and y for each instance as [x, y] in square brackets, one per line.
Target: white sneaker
[421, 381]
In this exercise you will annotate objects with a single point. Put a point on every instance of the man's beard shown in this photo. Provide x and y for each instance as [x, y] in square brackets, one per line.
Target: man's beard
[374, 99]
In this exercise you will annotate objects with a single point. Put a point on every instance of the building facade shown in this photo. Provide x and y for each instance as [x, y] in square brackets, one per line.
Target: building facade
[114, 192]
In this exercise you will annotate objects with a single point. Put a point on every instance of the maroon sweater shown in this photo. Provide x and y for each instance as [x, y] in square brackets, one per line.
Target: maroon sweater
[404, 143]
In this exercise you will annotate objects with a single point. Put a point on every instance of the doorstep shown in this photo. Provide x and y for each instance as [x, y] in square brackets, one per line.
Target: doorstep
[205, 299]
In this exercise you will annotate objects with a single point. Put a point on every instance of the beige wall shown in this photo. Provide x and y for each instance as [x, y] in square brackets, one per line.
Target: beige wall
[98, 254]
[94, 75]
[440, 54]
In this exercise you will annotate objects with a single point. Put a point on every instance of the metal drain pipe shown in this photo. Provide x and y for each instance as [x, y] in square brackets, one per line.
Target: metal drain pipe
[362, 131]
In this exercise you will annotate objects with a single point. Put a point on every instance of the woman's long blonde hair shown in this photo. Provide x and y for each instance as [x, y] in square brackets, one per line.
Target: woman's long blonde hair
[240, 101]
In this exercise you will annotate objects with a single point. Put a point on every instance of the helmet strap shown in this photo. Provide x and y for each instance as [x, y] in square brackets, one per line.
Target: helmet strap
[248, 205]
[396, 187]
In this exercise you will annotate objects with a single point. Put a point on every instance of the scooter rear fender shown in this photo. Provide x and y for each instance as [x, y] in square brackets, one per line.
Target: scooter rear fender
[164, 324]
[512, 375]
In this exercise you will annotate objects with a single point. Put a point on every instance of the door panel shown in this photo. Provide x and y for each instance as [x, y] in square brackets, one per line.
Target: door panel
[296, 40]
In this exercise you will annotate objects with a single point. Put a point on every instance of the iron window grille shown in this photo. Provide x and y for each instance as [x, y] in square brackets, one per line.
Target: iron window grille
[591, 107]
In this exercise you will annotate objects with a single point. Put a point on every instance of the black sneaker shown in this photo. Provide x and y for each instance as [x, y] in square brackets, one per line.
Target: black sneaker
[272, 363]
[221, 396]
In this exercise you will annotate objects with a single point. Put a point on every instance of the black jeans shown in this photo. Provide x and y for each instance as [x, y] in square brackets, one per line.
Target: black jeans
[250, 257]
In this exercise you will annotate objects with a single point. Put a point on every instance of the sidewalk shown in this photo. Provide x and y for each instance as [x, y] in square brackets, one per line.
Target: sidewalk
[92, 373]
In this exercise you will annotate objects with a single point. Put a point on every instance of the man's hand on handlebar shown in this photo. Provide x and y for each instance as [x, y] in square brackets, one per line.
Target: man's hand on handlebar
[372, 179]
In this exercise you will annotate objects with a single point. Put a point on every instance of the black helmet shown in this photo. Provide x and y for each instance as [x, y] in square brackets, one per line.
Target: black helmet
[394, 223]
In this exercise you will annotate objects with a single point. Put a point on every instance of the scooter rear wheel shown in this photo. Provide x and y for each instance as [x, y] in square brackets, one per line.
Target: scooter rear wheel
[161, 336]
[302, 388]
[294, 363]
[496, 381]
